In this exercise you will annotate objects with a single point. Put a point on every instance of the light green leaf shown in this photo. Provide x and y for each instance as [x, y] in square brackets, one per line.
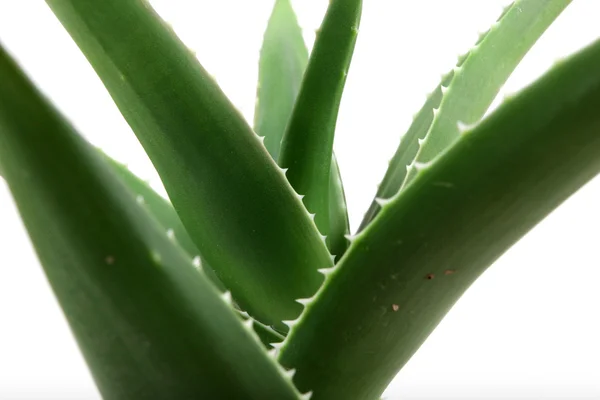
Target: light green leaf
[283, 59]
[307, 145]
[403, 273]
[468, 91]
[232, 198]
[147, 322]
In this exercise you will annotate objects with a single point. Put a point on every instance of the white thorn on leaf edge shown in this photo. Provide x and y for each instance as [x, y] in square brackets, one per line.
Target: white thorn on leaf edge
[300, 196]
[462, 127]
[444, 89]
[332, 256]
[436, 111]
[227, 297]
[306, 396]
[381, 201]
[421, 141]
[457, 70]
[261, 139]
[419, 166]
[323, 238]
[350, 238]
[305, 302]
[248, 323]
[290, 323]
[312, 216]
[290, 372]
[284, 170]
[326, 271]
[244, 314]
[272, 352]
[197, 262]
[277, 345]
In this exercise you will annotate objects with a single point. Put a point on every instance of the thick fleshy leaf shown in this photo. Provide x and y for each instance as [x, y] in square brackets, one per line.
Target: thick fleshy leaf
[283, 60]
[339, 225]
[307, 146]
[147, 322]
[403, 273]
[468, 91]
[161, 209]
[232, 198]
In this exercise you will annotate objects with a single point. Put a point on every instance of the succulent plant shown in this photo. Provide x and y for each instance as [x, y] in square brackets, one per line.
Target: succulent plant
[248, 283]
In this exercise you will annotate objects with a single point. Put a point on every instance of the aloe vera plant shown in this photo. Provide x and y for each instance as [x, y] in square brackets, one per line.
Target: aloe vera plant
[248, 283]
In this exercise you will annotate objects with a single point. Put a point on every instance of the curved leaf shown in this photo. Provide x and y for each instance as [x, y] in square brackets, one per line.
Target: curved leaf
[469, 90]
[307, 146]
[148, 323]
[403, 273]
[232, 198]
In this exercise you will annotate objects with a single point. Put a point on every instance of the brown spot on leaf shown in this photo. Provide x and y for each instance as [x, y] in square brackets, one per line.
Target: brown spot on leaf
[449, 271]
[395, 307]
[429, 276]
[110, 260]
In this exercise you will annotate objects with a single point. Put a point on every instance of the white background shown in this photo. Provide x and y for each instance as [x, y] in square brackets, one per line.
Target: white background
[528, 328]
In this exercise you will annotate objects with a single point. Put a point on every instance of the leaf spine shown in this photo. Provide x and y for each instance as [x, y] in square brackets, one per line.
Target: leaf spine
[197, 262]
[306, 301]
[327, 271]
[420, 166]
[381, 201]
[226, 296]
[290, 372]
[306, 396]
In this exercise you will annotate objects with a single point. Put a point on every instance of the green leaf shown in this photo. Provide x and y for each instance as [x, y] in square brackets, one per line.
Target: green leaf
[339, 226]
[403, 273]
[161, 209]
[409, 145]
[147, 322]
[232, 198]
[468, 91]
[307, 145]
[283, 59]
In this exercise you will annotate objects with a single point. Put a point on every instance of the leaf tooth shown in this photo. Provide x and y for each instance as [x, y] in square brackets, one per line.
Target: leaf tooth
[436, 111]
[249, 324]
[291, 323]
[457, 70]
[197, 262]
[421, 141]
[332, 256]
[381, 201]
[244, 314]
[284, 170]
[327, 271]
[463, 127]
[444, 89]
[306, 301]
[351, 238]
[323, 238]
[272, 352]
[420, 166]
[261, 139]
[299, 196]
[226, 296]
[312, 215]
[290, 372]
[306, 396]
